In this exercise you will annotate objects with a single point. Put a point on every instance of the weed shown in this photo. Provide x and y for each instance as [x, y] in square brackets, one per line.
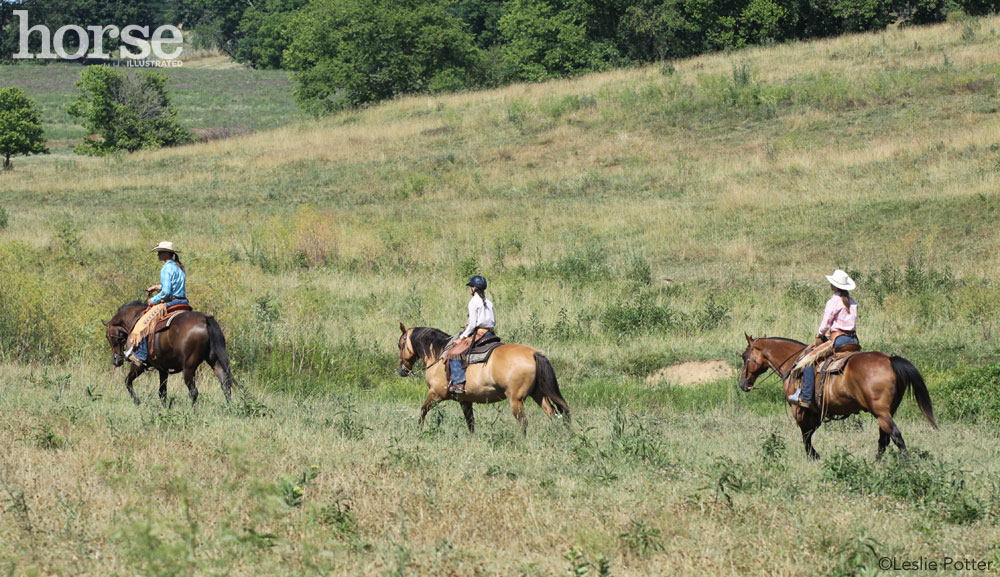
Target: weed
[338, 515]
[641, 539]
[292, 490]
[46, 438]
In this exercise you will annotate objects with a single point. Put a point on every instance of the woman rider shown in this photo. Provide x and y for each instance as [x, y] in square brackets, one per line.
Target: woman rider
[839, 319]
[171, 291]
[481, 324]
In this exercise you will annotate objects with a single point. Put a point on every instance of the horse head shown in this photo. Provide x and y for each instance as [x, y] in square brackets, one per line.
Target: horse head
[118, 328]
[754, 364]
[407, 355]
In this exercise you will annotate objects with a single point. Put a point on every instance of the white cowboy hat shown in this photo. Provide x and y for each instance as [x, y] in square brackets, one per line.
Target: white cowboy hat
[165, 246]
[841, 280]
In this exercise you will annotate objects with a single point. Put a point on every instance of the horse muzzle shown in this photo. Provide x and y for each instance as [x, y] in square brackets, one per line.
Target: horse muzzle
[117, 360]
[745, 385]
[403, 371]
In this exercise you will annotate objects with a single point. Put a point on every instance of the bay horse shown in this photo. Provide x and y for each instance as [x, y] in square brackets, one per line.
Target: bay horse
[191, 339]
[513, 372]
[872, 382]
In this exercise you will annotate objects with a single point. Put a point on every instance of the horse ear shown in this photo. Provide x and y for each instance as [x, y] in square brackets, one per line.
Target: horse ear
[749, 340]
[402, 328]
[104, 322]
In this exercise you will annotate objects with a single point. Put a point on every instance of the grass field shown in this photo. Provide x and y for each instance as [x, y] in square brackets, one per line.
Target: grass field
[627, 221]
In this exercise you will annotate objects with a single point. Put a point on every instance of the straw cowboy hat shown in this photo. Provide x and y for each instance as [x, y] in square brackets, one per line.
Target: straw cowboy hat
[841, 280]
[165, 246]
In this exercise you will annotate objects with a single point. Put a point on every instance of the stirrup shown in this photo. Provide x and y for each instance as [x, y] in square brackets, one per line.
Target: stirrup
[456, 388]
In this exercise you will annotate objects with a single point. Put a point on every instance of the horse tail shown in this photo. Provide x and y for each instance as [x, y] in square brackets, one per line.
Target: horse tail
[217, 348]
[907, 374]
[545, 380]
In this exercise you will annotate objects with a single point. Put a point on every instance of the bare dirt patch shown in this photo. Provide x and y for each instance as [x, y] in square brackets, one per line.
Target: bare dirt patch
[691, 373]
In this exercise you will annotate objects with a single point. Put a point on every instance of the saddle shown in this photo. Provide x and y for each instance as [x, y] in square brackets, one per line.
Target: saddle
[164, 323]
[472, 350]
[827, 360]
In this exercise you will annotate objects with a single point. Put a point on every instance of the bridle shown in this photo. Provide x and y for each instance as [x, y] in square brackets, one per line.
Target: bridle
[404, 370]
[770, 364]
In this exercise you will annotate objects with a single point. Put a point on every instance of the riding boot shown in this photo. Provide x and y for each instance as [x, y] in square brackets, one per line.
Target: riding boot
[457, 385]
[804, 396]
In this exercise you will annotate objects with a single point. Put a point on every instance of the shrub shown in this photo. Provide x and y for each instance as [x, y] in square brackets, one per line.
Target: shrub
[975, 395]
[21, 130]
[542, 40]
[637, 317]
[125, 112]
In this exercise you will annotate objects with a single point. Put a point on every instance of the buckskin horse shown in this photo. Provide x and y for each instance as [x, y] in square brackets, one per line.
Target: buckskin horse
[873, 382]
[191, 339]
[514, 372]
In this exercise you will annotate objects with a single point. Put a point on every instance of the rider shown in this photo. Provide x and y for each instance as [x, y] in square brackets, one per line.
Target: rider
[171, 291]
[480, 317]
[839, 319]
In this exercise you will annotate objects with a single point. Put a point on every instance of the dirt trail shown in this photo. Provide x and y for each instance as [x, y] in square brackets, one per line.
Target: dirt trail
[691, 373]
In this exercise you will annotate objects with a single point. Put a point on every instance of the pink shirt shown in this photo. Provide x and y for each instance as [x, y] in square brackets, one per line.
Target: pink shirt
[837, 317]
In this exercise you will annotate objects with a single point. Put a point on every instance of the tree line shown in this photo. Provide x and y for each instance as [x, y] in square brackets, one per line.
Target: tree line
[347, 53]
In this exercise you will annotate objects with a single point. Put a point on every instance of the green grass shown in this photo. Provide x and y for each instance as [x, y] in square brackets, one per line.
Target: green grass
[205, 98]
[627, 221]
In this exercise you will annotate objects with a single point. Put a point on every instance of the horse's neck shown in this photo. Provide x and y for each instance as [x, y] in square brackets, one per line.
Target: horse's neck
[130, 318]
[780, 354]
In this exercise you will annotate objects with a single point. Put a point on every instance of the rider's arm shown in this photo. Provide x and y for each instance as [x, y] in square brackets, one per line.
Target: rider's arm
[474, 305]
[165, 286]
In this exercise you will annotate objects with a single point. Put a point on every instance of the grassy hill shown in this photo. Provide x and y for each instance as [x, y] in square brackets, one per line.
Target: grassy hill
[626, 221]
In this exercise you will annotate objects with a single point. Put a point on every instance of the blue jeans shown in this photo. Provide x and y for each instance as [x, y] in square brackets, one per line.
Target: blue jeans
[809, 375]
[142, 351]
[457, 370]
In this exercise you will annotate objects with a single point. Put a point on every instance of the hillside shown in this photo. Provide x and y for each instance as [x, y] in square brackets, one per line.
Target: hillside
[626, 221]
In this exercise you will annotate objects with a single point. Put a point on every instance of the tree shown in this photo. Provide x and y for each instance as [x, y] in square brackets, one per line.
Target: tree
[542, 40]
[21, 130]
[126, 111]
[353, 52]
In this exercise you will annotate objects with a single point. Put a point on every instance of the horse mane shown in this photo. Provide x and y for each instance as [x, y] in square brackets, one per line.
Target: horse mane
[428, 342]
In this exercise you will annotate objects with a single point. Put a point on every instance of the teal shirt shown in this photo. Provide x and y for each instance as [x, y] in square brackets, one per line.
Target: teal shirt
[172, 281]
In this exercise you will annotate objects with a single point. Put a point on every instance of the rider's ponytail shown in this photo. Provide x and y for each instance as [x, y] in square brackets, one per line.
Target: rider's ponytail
[482, 296]
[846, 297]
[177, 259]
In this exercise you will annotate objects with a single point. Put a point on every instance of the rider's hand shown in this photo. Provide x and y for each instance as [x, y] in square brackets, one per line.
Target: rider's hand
[818, 341]
[155, 288]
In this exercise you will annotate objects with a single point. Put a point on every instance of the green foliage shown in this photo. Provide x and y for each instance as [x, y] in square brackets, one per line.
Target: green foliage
[975, 395]
[639, 315]
[543, 40]
[920, 479]
[125, 112]
[4, 218]
[21, 131]
[353, 52]
[641, 539]
[292, 490]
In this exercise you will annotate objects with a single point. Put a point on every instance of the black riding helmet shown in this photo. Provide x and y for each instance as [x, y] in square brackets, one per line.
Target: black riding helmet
[477, 281]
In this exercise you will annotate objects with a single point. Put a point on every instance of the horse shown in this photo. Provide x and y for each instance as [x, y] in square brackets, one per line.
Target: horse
[191, 339]
[513, 372]
[872, 382]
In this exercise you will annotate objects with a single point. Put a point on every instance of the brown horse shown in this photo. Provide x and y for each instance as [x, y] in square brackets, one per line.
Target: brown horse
[873, 382]
[192, 338]
[513, 372]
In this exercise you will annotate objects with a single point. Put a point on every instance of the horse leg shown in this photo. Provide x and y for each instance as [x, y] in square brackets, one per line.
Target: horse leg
[220, 373]
[132, 374]
[883, 442]
[470, 416]
[192, 388]
[163, 386]
[517, 408]
[887, 428]
[429, 403]
[808, 423]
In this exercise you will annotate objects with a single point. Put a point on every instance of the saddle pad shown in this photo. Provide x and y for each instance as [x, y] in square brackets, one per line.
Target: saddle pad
[481, 353]
[164, 323]
[837, 363]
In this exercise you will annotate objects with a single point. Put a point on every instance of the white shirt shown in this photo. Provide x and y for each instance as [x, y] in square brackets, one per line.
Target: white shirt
[479, 316]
